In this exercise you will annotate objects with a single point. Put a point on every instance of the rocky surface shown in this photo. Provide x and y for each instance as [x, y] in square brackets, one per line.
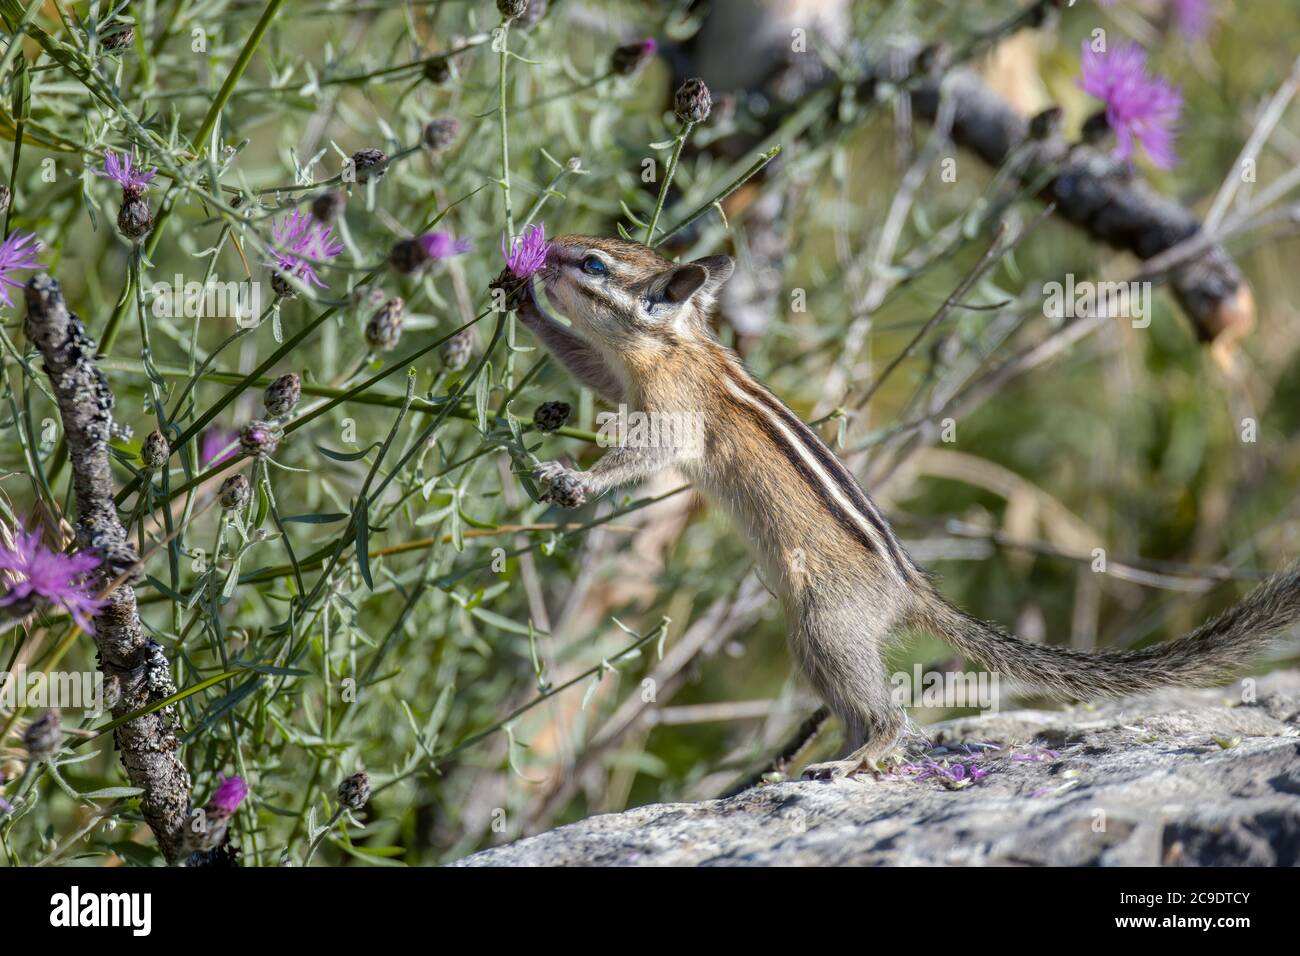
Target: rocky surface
[1179, 778]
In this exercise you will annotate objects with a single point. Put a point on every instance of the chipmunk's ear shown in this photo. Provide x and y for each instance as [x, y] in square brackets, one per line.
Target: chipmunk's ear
[676, 285]
[719, 269]
[680, 283]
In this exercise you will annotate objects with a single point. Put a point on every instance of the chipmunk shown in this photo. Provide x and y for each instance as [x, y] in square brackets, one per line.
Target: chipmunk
[640, 335]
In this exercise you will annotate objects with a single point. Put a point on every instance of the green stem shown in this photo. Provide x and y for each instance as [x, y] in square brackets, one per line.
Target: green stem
[668, 181]
[735, 184]
[505, 136]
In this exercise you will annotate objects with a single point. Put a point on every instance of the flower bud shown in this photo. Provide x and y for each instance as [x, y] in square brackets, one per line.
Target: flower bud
[282, 395]
[44, 735]
[693, 101]
[235, 493]
[512, 9]
[354, 791]
[438, 71]
[6, 196]
[327, 206]
[407, 256]
[155, 450]
[134, 219]
[441, 132]
[630, 57]
[282, 286]
[384, 329]
[457, 350]
[369, 163]
[551, 416]
[119, 39]
[258, 438]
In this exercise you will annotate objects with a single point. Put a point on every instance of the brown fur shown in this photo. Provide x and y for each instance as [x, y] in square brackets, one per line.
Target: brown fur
[847, 587]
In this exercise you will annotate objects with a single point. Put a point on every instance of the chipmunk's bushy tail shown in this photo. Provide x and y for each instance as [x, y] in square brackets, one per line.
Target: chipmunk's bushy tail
[1209, 655]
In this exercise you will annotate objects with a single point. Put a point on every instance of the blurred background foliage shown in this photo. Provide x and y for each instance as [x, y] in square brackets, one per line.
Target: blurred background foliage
[1130, 440]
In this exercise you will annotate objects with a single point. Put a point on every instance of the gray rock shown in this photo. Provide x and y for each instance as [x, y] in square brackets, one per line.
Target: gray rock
[1183, 778]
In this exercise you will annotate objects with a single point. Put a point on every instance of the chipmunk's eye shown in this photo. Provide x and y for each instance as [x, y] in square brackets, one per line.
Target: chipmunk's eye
[593, 266]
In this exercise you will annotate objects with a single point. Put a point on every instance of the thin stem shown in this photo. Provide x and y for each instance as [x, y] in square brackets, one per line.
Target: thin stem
[668, 181]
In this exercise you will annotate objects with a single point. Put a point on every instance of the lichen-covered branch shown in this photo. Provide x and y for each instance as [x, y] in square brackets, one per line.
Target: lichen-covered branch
[136, 671]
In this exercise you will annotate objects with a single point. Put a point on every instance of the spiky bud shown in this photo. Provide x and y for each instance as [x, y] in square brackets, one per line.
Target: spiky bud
[369, 163]
[441, 132]
[512, 9]
[693, 101]
[438, 71]
[155, 450]
[551, 416]
[282, 286]
[44, 735]
[384, 329]
[258, 438]
[630, 57]
[282, 395]
[354, 791]
[235, 493]
[134, 219]
[457, 350]
[407, 256]
[327, 206]
[119, 39]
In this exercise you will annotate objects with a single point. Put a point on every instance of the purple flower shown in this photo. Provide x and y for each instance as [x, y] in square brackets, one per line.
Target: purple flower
[216, 446]
[37, 572]
[526, 254]
[1194, 17]
[301, 243]
[1140, 108]
[230, 794]
[119, 170]
[17, 252]
[440, 245]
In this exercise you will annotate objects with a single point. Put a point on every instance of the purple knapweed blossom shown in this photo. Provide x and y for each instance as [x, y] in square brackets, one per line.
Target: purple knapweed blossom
[230, 793]
[440, 245]
[1193, 17]
[18, 251]
[217, 445]
[1140, 108]
[35, 571]
[302, 243]
[956, 773]
[120, 170]
[526, 254]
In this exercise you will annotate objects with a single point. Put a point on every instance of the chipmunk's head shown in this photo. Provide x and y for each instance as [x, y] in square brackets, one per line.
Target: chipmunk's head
[622, 296]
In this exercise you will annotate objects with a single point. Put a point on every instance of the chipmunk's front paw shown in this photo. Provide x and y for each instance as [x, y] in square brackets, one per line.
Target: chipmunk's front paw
[568, 488]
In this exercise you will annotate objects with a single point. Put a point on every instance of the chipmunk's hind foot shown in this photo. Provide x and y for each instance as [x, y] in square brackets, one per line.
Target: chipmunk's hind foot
[864, 760]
